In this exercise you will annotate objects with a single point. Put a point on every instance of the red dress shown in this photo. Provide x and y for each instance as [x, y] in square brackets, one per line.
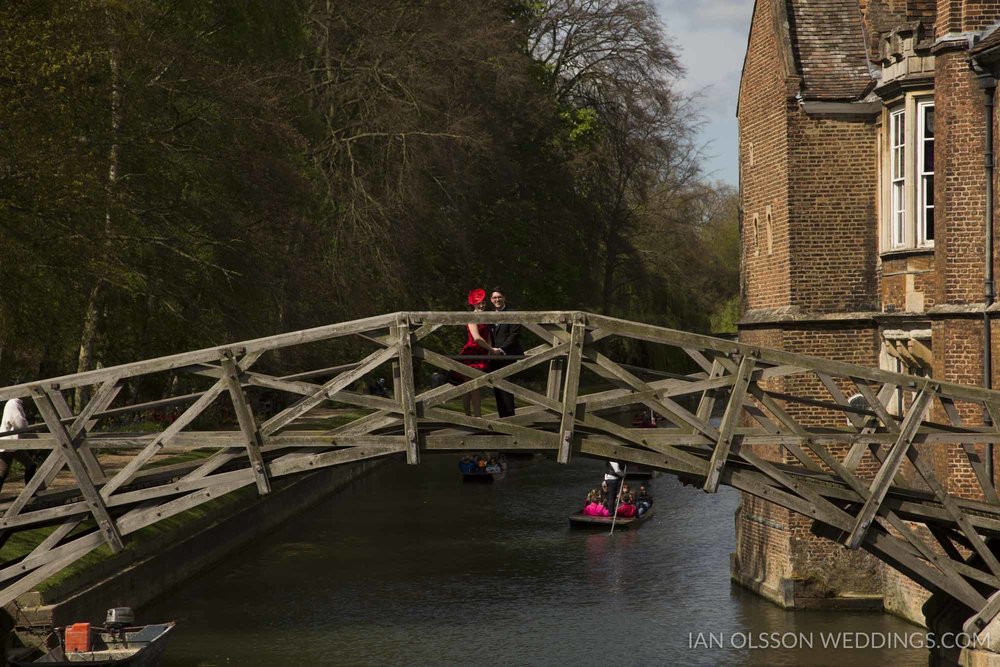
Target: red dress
[471, 348]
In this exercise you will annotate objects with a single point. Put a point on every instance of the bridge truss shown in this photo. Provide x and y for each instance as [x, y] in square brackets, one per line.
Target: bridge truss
[863, 469]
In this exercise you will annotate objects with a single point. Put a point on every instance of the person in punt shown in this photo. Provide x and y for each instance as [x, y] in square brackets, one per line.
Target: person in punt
[467, 464]
[594, 506]
[643, 501]
[626, 508]
[613, 476]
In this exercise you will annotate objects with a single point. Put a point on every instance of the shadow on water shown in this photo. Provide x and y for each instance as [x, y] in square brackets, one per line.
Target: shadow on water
[411, 566]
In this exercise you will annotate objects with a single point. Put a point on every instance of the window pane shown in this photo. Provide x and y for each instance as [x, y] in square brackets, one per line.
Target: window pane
[929, 122]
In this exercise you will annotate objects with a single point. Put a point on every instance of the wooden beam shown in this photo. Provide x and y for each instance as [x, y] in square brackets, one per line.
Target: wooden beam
[107, 391]
[886, 473]
[341, 381]
[251, 434]
[95, 503]
[734, 409]
[982, 475]
[571, 386]
[183, 420]
[407, 393]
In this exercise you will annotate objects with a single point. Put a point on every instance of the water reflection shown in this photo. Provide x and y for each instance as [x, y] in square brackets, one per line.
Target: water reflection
[410, 566]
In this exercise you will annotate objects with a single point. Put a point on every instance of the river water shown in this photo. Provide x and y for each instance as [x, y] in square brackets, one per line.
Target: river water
[409, 566]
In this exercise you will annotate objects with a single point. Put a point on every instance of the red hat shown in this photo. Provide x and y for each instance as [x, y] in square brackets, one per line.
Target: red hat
[477, 296]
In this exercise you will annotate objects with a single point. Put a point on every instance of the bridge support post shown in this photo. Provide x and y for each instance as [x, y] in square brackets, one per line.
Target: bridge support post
[406, 391]
[731, 418]
[571, 386]
[254, 441]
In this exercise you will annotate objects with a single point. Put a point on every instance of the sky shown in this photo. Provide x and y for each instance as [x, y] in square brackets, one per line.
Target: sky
[711, 38]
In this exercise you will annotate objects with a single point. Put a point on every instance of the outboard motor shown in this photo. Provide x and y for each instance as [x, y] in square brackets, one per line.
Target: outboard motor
[119, 618]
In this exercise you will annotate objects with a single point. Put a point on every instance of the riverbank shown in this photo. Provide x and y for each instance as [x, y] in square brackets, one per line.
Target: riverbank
[156, 561]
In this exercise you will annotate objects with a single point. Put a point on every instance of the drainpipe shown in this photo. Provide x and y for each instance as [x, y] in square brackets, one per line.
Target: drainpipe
[989, 85]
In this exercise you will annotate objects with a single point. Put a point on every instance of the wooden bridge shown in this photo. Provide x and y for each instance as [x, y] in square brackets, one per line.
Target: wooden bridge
[860, 468]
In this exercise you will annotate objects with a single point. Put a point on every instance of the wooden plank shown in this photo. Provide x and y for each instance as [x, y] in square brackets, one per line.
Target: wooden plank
[554, 381]
[68, 451]
[734, 409]
[108, 391]
[303, 464]
[327, 391]
[248, 425]
[657, 400]
[982, 475]
[207, 355]
[876, 405]
[959, 586]
[489, 426]
[789, 423]
[869, 425]
[888, 469]
[707, 403]
[54, 462]
[479, 378]
[124, 475]
[652, 333]
[571, 386]
[946, 500]
[407, 393]
[976, 624]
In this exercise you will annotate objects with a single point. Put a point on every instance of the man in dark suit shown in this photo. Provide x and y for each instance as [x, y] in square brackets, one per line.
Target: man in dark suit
[506, 337]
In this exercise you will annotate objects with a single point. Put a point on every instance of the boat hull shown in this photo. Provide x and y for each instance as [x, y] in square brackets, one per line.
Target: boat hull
[583, 521]
[148, 644]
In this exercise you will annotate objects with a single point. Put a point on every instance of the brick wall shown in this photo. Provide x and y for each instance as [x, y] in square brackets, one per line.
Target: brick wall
[775, 545]
[907, 283]
[957, 16]
[764, 168]
[818, 179]
[832, 214]
[958, 181]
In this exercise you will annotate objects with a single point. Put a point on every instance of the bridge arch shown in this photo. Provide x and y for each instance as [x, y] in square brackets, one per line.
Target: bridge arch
[787, 432]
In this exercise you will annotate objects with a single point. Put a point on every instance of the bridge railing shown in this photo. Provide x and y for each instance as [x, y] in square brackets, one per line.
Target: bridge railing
[857, 449]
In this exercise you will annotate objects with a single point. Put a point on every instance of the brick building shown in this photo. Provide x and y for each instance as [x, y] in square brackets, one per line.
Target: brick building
[864, 232]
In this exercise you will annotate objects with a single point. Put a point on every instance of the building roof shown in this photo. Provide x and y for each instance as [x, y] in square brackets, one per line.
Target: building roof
[829, 48]
[987, 43]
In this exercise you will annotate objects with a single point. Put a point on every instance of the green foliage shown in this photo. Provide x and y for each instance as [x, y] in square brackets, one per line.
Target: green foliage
[198, 172]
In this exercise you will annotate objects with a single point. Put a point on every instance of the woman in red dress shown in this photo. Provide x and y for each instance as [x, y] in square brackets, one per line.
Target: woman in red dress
[477, 344]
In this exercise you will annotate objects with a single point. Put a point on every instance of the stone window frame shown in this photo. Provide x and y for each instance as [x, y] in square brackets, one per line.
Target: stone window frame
[906, 187]
[908, 350]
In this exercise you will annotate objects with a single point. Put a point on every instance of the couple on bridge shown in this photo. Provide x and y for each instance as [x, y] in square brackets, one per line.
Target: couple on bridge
[489, 340]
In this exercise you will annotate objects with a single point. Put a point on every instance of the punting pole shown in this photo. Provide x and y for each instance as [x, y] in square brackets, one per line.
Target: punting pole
[621, 487]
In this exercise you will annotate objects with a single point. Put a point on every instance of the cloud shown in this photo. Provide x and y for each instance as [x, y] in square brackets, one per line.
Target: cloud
[711, 37]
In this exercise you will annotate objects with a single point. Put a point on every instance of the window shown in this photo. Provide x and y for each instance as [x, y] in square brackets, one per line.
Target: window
[908, 205]
[756, 235]
[897, 146]
[925, 173]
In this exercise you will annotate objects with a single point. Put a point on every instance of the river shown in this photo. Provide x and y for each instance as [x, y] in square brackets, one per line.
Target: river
[409, 566]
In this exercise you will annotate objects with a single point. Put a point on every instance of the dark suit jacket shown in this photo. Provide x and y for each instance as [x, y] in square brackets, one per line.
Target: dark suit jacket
[508, 338]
